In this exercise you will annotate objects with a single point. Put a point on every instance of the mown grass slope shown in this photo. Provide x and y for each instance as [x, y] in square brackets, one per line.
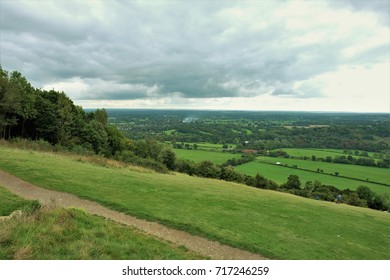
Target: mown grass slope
[274, 224]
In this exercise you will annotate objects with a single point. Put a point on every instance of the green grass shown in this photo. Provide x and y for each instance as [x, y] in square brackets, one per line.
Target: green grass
[10, 202]
[72, 234]
[319, 153]
[375, 174]
[274, 224]
[206, 146]
[170, 131]
[200, 155]
[279, 174]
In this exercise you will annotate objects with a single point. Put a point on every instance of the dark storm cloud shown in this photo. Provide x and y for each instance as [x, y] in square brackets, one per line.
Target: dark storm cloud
[133, 50]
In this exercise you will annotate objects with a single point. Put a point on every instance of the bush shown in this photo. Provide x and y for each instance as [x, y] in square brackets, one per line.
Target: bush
[185, 166]
[207, 169]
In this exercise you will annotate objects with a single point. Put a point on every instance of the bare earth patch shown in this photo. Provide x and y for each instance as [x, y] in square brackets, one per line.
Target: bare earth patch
[201, 245]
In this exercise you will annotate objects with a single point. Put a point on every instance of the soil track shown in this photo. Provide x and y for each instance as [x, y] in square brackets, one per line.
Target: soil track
[203, 246]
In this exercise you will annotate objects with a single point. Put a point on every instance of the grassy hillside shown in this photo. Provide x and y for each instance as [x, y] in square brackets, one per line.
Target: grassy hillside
[274, 224]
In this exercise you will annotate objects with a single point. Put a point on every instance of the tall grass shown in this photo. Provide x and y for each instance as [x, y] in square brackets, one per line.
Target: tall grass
[72, 234]
[10, 202]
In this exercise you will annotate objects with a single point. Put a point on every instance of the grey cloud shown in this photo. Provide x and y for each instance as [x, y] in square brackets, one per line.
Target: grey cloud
[380, 7]
[135, 50]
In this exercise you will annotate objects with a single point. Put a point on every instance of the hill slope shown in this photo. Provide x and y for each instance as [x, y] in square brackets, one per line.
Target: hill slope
[273, 224]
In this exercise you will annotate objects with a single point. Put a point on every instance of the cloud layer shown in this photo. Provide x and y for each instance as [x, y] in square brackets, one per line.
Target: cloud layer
[151, 50]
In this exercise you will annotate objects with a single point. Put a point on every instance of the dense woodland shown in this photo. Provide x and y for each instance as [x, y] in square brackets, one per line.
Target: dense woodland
[32, 113]
[261, 131]
[51, 117]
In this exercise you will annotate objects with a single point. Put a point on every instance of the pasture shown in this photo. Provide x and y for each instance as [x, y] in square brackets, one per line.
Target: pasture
[200, 155]
[266, 222]
[319, 153]
[280, 173]
[375, 174]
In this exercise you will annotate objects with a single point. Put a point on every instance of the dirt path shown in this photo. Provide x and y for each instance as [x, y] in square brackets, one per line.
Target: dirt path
[205, 247]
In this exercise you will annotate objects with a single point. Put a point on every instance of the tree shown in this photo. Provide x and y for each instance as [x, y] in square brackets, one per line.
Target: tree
[47, 122]
[10, 104]
[168, 158]
[293, 182]
[96, 135]
[261, 182]
[207, 169]
[101, 116]
[26, 110]
[366, 194]
[65, 110]
[228, 173]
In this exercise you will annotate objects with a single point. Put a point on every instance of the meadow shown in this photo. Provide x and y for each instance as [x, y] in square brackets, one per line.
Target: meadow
[200, 155]
[280, 174]
[73, 234]
[375, 174]
[320, 153]
[266, 222]
[205, 146]
[266, 166]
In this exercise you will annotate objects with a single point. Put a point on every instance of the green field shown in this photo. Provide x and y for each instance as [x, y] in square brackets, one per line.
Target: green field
[279, 174]
[319, 153]
[205, 146]
[266, 222]
[199, 155]
[375, 174]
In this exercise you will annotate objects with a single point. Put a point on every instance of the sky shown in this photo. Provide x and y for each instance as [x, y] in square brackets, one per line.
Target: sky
[221, 55]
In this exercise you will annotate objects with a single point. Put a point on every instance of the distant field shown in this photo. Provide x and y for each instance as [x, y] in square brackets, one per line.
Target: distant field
[279, 174]
[199, 155]
[319, 153]
[209, 146]
[266, 222]
[375, 174]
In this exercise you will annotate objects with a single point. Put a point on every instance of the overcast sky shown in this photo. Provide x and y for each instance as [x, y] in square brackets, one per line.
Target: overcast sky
[239, 55]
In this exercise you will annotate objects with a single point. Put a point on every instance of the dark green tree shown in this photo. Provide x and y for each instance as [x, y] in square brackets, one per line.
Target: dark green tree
[261, 182]
[293, 182]
[168, 158]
